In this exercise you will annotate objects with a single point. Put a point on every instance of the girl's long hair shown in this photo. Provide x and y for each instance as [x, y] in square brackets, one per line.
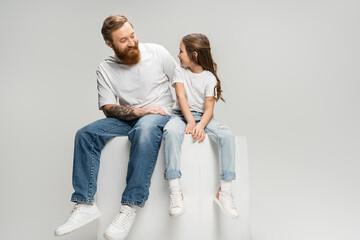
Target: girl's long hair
[197, 42]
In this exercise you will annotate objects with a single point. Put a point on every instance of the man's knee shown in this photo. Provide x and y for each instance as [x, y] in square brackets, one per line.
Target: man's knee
[153, 120]
[83, 133]
[146, 131]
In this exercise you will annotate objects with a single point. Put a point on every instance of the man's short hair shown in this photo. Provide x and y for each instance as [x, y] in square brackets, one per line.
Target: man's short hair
[112, 23]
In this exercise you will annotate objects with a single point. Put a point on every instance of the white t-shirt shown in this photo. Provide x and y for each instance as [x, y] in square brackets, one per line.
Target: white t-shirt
[140, 85]
[198, 86]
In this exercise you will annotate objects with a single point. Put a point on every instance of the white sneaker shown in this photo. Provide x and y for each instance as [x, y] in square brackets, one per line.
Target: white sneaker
[121, 225]
[176, 207]
[225, 200]
[81, 215]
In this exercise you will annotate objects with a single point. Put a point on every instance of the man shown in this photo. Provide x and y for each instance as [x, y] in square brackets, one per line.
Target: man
[134, 94]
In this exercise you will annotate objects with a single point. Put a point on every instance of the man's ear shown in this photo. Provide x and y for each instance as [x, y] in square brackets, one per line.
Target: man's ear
[108, 43]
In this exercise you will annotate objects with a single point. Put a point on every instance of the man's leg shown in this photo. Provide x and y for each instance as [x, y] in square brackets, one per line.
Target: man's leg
[145, 139]
[89, 142]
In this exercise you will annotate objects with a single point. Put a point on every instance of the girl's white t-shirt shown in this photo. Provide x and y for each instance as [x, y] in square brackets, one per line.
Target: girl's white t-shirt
[198, 86]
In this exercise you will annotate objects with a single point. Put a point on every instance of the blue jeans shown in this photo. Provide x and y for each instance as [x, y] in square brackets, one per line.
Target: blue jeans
[174, 136]
[145, 135]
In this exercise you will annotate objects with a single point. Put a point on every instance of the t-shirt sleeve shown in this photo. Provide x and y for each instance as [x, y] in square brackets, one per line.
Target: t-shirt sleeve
[209, 88]
[178, 76]
[168, 62]
[105, 94]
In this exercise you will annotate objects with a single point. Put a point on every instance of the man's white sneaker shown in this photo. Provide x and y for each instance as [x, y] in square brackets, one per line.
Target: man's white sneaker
[225, 200]
[176, 207]
[81, 215]
[121, 225]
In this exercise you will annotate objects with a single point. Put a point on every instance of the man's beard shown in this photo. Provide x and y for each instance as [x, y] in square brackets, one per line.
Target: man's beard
[130, 56]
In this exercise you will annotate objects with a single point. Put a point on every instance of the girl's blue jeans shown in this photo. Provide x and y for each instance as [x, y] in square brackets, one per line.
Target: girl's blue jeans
[145, 135]
[174, 136]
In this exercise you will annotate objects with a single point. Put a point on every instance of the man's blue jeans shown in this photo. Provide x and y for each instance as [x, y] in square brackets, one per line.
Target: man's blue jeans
[145, 135]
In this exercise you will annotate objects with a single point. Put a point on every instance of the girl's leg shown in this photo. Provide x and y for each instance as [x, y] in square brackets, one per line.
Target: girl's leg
[225, 140]
[173, 138]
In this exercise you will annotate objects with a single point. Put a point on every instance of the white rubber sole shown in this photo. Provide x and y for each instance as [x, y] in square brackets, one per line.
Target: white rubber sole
[107, 237]
[178, 214]
[93, 218]
[223, 210]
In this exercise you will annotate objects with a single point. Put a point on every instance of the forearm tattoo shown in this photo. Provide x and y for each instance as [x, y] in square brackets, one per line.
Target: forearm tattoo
[121, 113]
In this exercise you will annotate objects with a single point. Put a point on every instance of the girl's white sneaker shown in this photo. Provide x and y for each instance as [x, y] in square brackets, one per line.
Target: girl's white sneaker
[225, 200]
[176, 206]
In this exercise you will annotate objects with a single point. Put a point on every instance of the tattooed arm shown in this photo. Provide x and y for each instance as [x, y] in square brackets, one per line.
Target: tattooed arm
[119, 112]
[129, 113]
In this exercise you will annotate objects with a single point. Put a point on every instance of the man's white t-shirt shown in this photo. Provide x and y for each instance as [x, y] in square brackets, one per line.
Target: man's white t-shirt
[140, 85]
[198, 86]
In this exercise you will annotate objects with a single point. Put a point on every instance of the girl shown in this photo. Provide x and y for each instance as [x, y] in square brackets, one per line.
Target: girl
[197, 88]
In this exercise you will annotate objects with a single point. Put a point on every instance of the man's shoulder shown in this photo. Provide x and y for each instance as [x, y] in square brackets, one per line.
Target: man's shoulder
[180, 69]
[108, 61]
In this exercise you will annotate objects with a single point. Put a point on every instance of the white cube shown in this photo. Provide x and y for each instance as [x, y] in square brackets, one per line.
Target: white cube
[203, 219]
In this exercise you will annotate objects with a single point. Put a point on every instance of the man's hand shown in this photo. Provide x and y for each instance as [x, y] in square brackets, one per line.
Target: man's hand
[198, 133]
[189, 127]
[153, 110]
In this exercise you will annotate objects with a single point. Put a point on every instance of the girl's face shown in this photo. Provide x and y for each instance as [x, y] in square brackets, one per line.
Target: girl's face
[185, 60]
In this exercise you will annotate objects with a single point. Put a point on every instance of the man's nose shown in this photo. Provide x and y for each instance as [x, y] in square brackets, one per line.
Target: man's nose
[131, 43]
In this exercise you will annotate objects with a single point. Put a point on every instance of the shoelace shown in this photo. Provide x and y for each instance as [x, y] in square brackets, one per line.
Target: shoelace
[74, 211]
[175, 199]
[228, 197]
[123, 217]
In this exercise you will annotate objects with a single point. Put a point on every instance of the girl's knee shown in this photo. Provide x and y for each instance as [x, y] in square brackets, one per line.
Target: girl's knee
[226, 135]
[173, 133]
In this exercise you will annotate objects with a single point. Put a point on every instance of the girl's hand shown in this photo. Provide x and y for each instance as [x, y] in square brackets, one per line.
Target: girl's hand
[189, 127]
[198, 134]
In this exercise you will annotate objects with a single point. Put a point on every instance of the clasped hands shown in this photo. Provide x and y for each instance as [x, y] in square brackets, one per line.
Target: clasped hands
[196, 131]
[192, 128]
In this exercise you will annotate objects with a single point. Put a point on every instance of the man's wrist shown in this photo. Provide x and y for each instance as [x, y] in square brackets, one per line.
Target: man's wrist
[139, 112]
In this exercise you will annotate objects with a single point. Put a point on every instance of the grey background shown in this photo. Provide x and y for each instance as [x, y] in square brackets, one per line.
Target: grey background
[290, 72]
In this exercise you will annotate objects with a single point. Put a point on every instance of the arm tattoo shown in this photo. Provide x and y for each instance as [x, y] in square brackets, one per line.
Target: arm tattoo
[121, 113]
